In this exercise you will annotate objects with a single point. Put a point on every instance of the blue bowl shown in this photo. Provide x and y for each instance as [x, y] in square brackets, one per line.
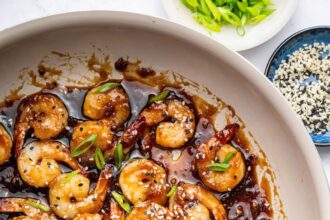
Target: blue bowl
[307, 36]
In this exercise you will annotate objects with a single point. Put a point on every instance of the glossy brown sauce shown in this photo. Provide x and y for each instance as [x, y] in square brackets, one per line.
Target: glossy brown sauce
[247, 201]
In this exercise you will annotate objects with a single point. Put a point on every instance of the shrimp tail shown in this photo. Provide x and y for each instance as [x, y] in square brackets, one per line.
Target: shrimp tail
[83, 171]
[104, 182]
[133, 133]
[227, 134]
[116, 213]
[9, 205]
[106, 174]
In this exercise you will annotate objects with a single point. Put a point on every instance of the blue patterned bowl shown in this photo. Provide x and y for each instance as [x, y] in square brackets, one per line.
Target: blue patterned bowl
[287, 47]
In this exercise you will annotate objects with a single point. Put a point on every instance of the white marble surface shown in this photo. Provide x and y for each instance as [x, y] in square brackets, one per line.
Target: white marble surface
[309, 13]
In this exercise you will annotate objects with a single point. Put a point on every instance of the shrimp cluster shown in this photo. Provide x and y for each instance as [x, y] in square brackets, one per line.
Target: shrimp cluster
[109, 108]
[94, 167]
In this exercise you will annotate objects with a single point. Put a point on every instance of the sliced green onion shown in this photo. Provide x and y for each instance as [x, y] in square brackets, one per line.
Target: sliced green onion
[84, 146]
[187, 3]
[267, 2]
[218, 167]
[212, 14]
[68, 177]
[242, 5]
[240, 31]
[243, 20]
[172, 191]
[229, 156]
[256, 19]
[192, 3]
[105, 87]
[38, 206]
[267, 11]
[122, 201]
[159, 97]
[219, 3]
[119, 155]
[230, 17]
[99, 159]
[214, 10]
[253, 11]
[202, 8]
[207, 22]
[230, 6]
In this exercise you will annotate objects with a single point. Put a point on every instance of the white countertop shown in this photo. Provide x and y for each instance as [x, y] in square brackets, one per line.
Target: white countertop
[309, 13]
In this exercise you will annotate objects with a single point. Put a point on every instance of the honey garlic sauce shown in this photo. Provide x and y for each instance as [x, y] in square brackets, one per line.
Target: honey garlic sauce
[247, 201]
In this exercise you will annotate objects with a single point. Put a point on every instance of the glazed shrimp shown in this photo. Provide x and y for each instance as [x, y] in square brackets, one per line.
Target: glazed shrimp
[171, 134]
[112, 103]
[142, 180]
[88, 216]
[23, 205]
[5, 145]
[37, 162]
[216, 151]
[105, 138]
[44, 113]
[150, 211]
[116, 213]
[70, 197]
[192, 201]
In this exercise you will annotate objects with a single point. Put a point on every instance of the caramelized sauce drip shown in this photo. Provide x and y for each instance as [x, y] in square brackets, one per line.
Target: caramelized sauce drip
[247, 201]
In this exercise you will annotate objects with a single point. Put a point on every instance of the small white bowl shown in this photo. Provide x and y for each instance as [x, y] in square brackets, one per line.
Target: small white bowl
[254, 36]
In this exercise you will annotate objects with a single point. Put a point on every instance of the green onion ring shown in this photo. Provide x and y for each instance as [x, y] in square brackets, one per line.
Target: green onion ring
[218, 167]
[99, 159]
[172, 191]
[119, 155]
[38, 206]
[89, 141]
[122, 201]
[105, 87]
[68, 177]
[159, 97]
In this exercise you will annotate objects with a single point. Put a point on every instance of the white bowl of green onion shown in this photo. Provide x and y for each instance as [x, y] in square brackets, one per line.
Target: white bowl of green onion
[237, 24]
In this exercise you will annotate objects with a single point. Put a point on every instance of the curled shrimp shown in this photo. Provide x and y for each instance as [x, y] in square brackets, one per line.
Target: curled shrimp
[175, 133]
[215, 150]
[112, 103]
[192, 201]
[142, 180]
[37, 162]
[23, 205]
[105, 138]
[150, 211]
[5, 145]
[44, 113]
[70, 197]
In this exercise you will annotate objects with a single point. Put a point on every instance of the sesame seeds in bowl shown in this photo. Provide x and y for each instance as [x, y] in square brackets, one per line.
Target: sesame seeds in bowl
[300, 70]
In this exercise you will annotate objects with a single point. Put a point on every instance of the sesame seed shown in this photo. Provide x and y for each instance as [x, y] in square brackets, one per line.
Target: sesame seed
[303, 79]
